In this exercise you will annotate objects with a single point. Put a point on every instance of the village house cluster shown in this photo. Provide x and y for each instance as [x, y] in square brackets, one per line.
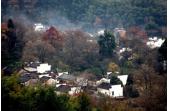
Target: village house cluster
[34, 73]
[154, 42]
[65, 82]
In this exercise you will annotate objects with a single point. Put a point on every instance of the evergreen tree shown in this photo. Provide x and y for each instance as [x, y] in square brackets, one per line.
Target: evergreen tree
[114, 80]
[106, 44]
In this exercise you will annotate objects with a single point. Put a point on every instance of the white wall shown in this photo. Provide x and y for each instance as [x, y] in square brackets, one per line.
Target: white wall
[39, 27]
[108, 73]
[123, 78]
[61, 73]
[40, 76]
[100, 32]
[43, 68]
[30, 69]
[117, 89]
[104, 91]
[75, 90]
[154, 42]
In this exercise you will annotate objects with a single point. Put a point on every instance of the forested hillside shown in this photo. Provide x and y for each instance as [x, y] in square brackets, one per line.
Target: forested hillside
[92, 14]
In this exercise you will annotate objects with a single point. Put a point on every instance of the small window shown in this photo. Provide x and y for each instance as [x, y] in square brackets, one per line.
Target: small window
[112, 92]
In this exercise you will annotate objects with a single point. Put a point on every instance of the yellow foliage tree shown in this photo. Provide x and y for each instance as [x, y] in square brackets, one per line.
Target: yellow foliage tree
[112, 67]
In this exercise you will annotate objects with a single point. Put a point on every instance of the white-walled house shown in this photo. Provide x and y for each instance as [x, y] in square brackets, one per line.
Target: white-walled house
[40, 76]
[62, 89]
[117, 90]
[75, 90]
[30, 69]
[43, 68]
[106, 88]
[71, 90]
[123, 78]
[125, 49]
[39, 27]
[154, 42]
[61, 73]
[37, 67]
[110, 90]
[100, 32]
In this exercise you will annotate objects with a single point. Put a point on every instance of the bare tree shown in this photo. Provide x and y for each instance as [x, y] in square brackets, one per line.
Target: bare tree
[77, 46]
[152, 88]
[38, 50]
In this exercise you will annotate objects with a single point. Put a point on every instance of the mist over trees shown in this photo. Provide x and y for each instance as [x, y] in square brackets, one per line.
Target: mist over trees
[91, 15]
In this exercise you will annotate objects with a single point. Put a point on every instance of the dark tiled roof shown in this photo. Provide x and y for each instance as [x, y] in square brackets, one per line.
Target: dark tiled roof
[34, 64]
[104, 86]
[27, 76]
[63, 88]
[98, 77]
[32, 75]
[67, 77]
[44, 79]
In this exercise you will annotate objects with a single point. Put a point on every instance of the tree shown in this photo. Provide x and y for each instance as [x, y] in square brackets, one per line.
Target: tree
[106, 104]
[11, 45]
[74, 49]
[114, 80]
[130, 79]
[152, 29]
[10, 92]
[84, 102]
[163, 51]
[16, 97]
[10, 24]
[40, 50]
[46, 99]
[79, 52]
[146, 75]
[152, 88]
[95, 71]
[162, 57]
[113, 67]
[130, 90]
[54, 37]
[11, 34]
[106, 44]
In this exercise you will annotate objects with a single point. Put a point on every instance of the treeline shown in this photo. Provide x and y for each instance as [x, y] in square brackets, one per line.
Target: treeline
[16, 97]
[151, 15]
